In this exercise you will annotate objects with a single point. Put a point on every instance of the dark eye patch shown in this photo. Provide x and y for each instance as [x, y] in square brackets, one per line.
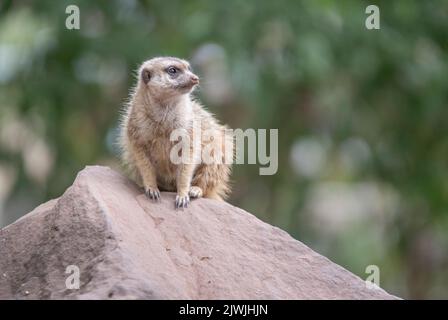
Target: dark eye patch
[172, 70]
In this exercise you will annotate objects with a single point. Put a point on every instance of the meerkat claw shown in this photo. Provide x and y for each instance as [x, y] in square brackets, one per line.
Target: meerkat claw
[182, 201]
[153, 194]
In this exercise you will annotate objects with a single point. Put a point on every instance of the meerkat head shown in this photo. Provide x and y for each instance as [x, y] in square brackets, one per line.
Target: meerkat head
[167, 77]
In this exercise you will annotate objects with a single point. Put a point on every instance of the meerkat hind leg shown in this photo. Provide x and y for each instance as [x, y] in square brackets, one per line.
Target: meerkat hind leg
[195, 192]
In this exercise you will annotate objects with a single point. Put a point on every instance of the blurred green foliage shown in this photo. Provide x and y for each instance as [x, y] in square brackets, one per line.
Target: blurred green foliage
[362, 114]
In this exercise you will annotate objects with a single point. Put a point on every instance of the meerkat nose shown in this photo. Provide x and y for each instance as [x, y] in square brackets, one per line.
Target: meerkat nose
[194, 79]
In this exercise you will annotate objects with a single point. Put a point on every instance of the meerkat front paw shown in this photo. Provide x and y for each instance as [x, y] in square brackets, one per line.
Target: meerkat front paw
[182, 201]
[195, 192]
[152, 193]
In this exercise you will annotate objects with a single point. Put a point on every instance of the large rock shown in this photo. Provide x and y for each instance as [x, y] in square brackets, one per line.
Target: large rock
[126, 246]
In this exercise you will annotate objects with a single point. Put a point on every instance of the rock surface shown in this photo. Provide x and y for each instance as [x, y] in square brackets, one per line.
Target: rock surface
[127, 247]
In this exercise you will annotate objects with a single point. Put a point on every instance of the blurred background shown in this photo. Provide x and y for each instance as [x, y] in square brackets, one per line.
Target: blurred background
[362, 114]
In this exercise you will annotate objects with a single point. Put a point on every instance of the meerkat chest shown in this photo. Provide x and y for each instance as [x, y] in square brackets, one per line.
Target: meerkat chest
[159, 149]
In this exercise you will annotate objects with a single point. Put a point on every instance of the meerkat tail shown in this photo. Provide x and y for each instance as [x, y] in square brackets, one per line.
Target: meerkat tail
[214, 196]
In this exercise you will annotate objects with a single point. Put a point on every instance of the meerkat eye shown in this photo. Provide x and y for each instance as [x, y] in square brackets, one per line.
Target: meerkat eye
[172, 70]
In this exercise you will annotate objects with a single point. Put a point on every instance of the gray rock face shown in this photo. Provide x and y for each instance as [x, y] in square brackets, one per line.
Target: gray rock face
[127, 247]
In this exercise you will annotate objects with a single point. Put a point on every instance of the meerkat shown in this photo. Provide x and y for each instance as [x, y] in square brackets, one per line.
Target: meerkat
[161, 102]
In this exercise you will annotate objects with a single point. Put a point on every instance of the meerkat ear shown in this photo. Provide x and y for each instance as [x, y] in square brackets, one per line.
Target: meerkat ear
[146, 76]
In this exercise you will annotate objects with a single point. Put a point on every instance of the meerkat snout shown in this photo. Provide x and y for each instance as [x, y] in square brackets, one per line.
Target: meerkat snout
[194, 79]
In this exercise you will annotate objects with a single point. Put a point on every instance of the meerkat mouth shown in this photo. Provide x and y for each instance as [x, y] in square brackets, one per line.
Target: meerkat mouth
[187, 85]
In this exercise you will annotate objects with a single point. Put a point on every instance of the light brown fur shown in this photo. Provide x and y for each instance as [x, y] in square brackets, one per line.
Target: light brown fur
[160, 104]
